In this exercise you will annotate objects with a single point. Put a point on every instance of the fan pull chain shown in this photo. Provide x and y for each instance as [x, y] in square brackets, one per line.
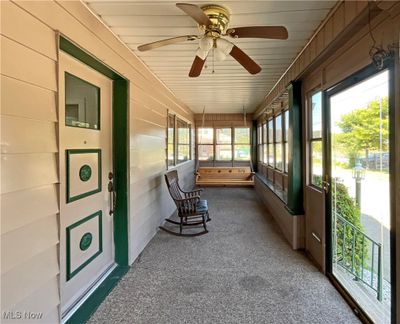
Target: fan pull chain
[213, 70]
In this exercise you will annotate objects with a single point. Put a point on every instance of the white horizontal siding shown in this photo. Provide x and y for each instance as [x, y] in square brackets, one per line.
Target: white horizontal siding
[29, 168]
[29, 163]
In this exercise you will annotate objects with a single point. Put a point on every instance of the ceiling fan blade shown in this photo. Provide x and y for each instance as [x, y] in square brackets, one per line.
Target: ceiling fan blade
[245, 60]
[195, 12]
[273, 32]
[196, 68]
[168, 41]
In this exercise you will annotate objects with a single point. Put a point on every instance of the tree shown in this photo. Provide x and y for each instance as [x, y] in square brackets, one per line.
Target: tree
[361, 130]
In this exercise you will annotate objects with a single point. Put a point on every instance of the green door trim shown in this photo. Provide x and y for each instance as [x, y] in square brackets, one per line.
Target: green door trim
[121, 167]
[355, 78]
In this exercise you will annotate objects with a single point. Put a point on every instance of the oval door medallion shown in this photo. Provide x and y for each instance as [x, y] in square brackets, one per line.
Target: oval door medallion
[85, 172]
[85, 242]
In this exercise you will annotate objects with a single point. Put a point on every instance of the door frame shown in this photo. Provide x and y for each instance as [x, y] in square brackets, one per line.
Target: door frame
[349, 81]
[120, 127]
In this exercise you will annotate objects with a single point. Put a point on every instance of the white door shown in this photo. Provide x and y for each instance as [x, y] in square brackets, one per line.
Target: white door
[86, 226]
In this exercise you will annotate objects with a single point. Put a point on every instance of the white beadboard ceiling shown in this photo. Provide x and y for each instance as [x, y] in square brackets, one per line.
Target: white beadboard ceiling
[231, 87]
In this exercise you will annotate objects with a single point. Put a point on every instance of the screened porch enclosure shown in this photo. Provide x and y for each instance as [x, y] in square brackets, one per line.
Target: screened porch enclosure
[285, 113]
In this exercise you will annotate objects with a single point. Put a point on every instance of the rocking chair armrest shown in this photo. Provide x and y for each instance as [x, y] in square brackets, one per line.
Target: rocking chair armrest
[193, 193]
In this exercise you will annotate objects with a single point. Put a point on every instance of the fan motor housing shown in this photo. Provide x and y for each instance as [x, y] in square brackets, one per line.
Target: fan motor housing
[219, 17]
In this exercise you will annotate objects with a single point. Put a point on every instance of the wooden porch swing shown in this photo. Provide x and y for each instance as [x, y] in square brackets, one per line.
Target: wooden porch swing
[240, 176]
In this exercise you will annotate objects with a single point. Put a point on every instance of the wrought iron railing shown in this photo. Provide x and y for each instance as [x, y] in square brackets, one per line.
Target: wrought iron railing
[351, 251]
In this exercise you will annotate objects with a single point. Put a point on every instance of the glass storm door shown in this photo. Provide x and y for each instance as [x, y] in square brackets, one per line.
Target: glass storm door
[359, 193]
[86, 224]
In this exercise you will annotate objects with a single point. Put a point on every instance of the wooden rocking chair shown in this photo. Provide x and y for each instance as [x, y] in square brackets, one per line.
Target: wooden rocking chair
[191, 210]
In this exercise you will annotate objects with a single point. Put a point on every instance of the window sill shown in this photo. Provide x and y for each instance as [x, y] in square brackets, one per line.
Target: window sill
[171, 167]
[281, 194]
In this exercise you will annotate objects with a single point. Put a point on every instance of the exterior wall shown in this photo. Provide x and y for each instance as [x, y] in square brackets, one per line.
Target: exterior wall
[29, 165]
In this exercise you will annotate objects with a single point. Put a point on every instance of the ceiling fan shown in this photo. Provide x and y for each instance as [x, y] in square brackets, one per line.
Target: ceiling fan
[213, 23]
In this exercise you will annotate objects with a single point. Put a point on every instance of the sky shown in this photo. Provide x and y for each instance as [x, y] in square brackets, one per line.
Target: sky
[359, 96]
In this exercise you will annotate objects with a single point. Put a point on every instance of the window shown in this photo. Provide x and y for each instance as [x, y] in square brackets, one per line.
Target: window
[278, 143]
[178, 140]
[316, 139]
[225, 143]
[242, 144]
[171, 140]
[82, 103]
[260, 143]
[271, 155]
[223, 147]
[205, 147]
[183, 141]
[285, 139]
[264, 141]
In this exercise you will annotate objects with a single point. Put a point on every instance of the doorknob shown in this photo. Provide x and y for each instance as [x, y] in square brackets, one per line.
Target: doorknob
[326, 184]
[113, 194]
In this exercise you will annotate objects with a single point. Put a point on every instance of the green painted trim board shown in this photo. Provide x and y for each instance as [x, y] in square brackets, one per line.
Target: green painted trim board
[90, 305]
[70, 273]
[99, 170]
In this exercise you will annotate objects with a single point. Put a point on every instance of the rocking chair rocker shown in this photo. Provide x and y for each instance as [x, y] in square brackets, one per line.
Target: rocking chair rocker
[191, 210]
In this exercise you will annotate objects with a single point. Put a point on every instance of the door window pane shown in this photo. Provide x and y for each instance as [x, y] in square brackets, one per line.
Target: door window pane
[316, 115]
[316, 163]
[360, 194]
[82, 103]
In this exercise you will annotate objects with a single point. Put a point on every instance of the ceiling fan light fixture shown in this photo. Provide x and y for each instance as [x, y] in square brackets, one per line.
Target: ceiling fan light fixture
[206, 43]
[224, 46]
[202, 53]
[219, 55]
[222, 50]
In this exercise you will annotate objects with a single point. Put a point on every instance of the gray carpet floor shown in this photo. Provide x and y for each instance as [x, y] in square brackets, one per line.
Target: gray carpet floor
[242, 271]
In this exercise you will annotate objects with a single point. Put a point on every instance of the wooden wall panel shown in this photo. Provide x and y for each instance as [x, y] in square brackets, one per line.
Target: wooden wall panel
[22, 135]
[19, 25]
[35, 103]
[29, 231]
[22, 63]
[37, 203]
[45, 297]
[20, 245]
[24, 171]
[18, 282]
[29, 169]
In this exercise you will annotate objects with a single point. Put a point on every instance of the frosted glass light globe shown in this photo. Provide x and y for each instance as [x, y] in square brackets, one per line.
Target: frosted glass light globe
[223, 49]
[206, 43]
[201, 53]
[219, 55]
[224, 46]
